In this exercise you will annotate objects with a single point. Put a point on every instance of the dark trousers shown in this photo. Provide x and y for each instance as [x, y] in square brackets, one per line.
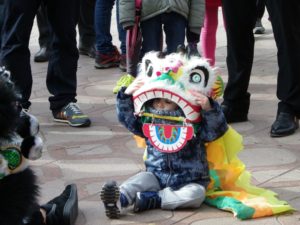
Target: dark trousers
[152, 32]
[15, 55]
[261, 5]
[240, 16]
[43, 26]
[286, 31]
[86, 23]
[1, 17]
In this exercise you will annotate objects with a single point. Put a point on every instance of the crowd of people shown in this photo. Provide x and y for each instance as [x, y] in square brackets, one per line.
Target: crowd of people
[195, 21]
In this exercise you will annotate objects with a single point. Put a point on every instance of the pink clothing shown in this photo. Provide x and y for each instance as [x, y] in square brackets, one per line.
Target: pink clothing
[208, 32]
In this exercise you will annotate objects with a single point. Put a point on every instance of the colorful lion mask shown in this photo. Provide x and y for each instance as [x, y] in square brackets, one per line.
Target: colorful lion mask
[173, 77]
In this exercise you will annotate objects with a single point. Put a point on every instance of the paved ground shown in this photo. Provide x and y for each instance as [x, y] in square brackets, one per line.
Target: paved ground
[90, 156]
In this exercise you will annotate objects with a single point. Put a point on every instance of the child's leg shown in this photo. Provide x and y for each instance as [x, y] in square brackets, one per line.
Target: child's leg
[111, 195]
[143, 181]
[174, 27]
[189, 196]
[208, 34]
[151, 32]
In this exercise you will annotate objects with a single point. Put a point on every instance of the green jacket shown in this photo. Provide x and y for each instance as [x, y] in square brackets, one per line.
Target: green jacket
[192, 10]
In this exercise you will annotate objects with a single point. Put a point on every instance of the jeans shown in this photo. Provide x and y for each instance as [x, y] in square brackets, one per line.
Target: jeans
[189, 196]
[15, 55]
[174, 27]
[103, 11]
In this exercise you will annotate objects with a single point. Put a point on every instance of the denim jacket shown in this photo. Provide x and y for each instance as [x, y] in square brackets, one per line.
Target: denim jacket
[188, 165]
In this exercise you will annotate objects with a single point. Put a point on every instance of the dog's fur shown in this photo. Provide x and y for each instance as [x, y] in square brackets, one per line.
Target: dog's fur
[18, 188]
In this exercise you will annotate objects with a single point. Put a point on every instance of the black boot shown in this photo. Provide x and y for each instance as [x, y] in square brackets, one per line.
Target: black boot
[284, 125]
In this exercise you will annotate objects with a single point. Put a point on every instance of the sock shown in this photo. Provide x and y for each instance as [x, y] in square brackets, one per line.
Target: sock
[123, 200]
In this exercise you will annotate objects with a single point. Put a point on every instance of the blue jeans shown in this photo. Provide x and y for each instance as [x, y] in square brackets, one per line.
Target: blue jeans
[103, 9]
[174, 26]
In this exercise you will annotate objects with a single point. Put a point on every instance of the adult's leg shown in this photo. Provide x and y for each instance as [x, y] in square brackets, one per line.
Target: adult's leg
[208, 34]
[261, 5]
[15, 54]
[121, 31]
[45, 34]
[43, 26]
[189, 196]
[103, 11]
[240, 17]
[1, 16]
[287, 36]
[86, 27]
[175, 35]
[151, 32]
[62, 68]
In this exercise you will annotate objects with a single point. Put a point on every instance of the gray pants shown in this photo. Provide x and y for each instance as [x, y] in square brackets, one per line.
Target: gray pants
[189, 196]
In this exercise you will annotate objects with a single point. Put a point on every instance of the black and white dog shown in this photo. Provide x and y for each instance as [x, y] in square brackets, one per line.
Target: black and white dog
[18, 143]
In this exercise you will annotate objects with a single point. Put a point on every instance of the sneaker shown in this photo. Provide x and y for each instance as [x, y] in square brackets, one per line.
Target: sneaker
[123, 63]
[124, 81]
[63, 209]
[110, 195]
[258, 29]
[146, 200]
[72, 115]
[103, 61]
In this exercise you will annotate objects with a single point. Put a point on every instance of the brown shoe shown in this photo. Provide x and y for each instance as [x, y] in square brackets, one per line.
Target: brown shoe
[109, 60]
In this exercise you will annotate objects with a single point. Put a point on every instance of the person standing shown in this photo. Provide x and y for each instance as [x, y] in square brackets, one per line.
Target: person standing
[108, 55]
[61, 75]
[240, 17]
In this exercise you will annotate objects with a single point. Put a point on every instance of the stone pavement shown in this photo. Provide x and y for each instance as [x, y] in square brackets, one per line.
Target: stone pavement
[90, 156]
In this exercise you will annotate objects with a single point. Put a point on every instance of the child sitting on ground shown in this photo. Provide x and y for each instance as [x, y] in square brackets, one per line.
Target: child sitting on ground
[177, 171]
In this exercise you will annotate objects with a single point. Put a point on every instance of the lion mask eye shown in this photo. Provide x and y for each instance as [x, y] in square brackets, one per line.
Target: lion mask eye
[149, 68]
[199, 75]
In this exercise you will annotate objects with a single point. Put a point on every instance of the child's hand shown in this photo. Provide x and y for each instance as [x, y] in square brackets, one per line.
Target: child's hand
[135, 85]
[201, 100]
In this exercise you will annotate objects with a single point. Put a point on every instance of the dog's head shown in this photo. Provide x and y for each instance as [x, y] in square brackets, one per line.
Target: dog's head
[9, 109]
